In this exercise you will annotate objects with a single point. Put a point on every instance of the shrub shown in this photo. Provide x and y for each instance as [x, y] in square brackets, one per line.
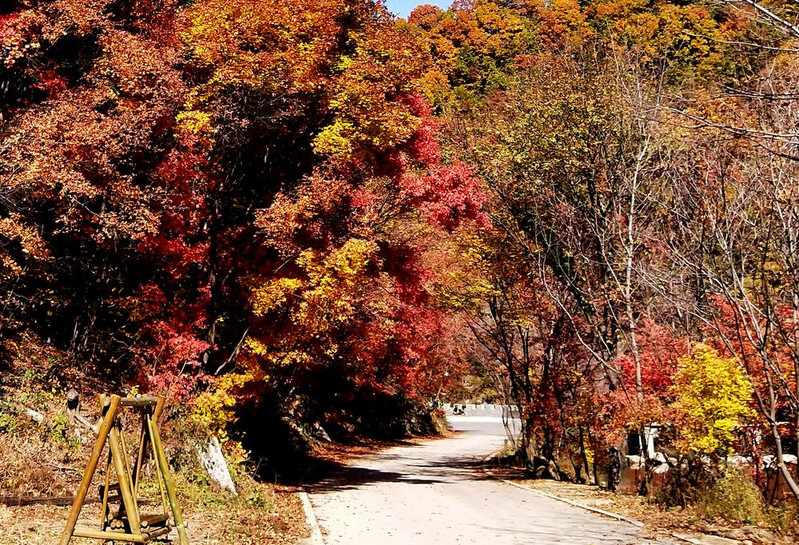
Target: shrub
[733, 496]
[8, 423]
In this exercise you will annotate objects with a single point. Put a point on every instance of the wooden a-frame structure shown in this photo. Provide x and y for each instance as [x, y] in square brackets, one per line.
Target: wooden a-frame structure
[127, 524]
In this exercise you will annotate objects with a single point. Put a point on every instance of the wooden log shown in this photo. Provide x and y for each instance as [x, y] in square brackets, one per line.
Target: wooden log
[141, 401]
[36, 416]
[153, 533]
[151, 521]
[110, 536]
[84, 422]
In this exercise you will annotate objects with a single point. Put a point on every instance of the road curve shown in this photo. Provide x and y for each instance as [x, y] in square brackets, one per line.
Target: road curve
[435, 494]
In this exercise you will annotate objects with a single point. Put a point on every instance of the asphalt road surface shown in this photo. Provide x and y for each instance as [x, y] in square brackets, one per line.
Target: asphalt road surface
[436, 494]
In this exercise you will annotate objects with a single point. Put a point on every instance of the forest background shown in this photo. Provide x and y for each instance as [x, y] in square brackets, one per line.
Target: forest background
[305, 218]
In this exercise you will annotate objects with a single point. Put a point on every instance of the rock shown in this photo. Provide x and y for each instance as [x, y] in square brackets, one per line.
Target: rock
[36, 416]
[739, 461]
[322, 433]
[552, 470]
[215, 465]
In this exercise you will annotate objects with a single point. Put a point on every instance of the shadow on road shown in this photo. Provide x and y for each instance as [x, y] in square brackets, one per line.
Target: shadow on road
[349, 478]
[410, 470]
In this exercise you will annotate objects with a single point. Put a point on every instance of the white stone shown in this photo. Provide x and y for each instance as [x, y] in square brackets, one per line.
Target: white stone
[215, 465]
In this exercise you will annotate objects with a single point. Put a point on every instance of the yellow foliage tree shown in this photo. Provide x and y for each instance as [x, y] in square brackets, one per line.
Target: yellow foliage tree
[215, 408]
[325, 299]
[348, 56]
[712, 397]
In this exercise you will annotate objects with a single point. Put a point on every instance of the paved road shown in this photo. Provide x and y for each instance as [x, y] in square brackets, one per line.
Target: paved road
[435, 493]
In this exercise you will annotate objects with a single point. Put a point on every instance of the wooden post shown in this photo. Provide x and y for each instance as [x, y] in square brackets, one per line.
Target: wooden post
[124, 482]
[126, 460]
[143, 438]
[168, 483]
[107, 483]
[159, 407]
[80, 497]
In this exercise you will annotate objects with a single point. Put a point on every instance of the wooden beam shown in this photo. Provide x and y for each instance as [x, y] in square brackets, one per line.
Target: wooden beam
[91, 467]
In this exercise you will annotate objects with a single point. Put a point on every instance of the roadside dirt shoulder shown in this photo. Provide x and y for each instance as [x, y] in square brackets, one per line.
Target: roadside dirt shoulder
[274, 516]
[660, 522]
